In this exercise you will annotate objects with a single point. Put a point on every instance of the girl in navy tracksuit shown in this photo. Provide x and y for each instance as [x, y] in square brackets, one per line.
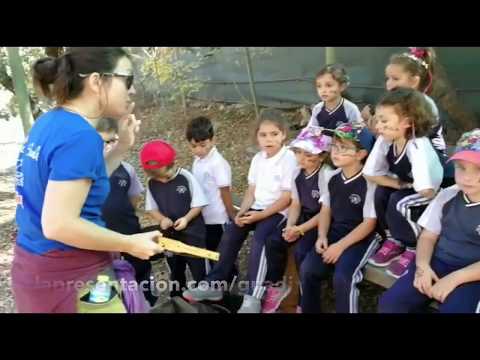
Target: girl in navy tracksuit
[309, 181]
[408, 172]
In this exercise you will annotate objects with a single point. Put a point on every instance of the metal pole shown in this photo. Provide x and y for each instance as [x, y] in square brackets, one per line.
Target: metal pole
[251, 81]
[182, 93]
[21, 91]
[330, 56]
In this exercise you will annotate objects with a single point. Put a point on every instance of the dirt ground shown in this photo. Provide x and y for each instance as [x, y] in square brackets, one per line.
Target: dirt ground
[234, 125]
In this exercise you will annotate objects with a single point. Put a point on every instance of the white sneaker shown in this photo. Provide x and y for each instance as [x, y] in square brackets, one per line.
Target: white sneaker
[250, 305]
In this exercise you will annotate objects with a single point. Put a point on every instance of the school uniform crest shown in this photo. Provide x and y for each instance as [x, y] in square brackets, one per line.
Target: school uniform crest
[478, 229]
[122, 183]
[355, 199]
[181, 189]
[315, 194]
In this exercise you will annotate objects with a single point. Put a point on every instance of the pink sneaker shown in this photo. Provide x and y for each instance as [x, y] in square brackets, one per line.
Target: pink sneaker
[273, 298]
[399, 267]
[389, 251]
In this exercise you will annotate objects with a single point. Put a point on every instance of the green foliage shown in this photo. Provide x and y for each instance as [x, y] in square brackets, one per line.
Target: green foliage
[174, 68]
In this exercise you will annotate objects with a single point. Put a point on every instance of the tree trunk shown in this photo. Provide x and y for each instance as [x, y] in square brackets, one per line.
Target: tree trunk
[21, 91]
[5, 79]
[7, 82]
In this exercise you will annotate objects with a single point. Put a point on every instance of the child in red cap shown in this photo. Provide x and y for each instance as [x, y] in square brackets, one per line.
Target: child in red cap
[447, 266]
[175, 199]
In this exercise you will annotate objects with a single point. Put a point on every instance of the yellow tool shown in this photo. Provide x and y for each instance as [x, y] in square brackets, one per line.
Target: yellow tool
[178, 247]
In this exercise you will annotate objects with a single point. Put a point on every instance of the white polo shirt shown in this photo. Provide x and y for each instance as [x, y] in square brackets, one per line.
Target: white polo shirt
[271, 176]
[213, 172]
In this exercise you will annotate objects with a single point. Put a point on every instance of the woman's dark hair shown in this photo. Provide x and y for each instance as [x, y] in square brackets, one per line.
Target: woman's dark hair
[58, 78]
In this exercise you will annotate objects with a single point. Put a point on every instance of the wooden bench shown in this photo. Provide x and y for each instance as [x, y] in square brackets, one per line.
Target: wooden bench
[378, 276]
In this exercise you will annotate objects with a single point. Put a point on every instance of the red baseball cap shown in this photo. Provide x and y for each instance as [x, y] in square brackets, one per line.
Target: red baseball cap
[468, 147]
[156, 154]
[470, 156]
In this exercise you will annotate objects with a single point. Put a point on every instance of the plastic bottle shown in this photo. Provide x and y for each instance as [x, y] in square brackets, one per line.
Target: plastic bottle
[102, 290]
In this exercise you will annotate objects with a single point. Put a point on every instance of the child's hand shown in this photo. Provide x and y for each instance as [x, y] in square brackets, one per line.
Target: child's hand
[444, 287]
[232, 215]
[166, 223]
[251, 217]
[424, 279]
[180, 224]
[401, 185]
[428, 193]
[333, 252]
[238, 220]
[372, 125]
[366, 113]
[291, 233]
[321, 245]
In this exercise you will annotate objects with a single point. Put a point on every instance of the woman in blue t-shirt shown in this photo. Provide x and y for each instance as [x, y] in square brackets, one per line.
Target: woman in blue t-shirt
[62, 181]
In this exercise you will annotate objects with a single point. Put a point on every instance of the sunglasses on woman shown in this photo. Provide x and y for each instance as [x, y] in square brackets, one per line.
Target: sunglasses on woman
[128, 78]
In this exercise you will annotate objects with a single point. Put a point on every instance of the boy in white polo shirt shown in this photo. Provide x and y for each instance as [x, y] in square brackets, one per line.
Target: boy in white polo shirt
[214, 175]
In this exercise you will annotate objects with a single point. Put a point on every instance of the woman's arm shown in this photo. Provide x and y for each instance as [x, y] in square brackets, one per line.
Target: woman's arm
[61, 221]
